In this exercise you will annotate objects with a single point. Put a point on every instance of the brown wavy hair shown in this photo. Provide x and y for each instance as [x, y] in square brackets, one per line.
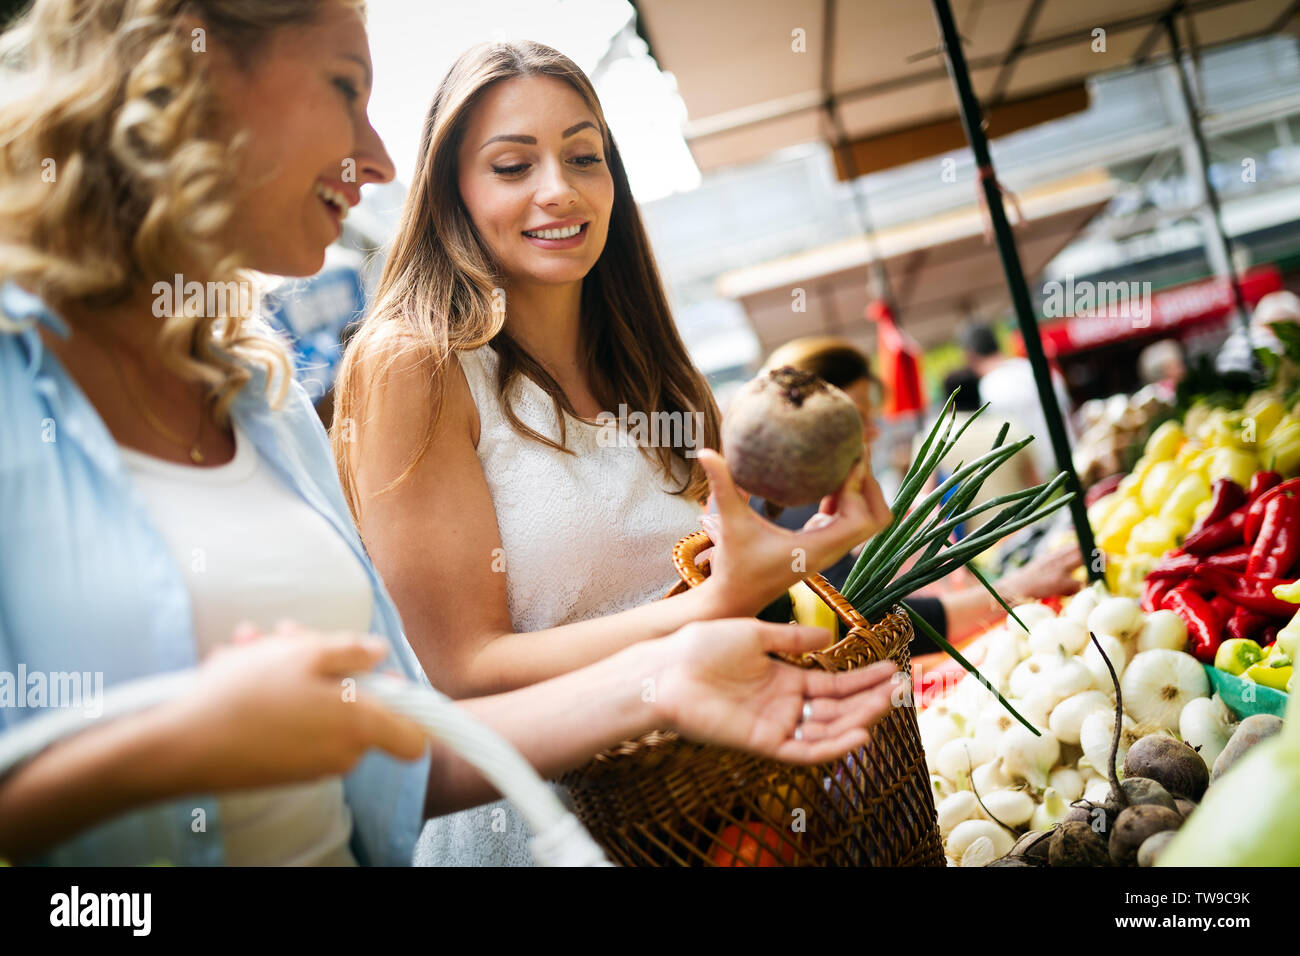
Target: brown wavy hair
[111, 177]
[436, 292]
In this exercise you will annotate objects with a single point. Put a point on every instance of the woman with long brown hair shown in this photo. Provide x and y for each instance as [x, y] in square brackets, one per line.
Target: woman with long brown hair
[168, 497]
[489, 413]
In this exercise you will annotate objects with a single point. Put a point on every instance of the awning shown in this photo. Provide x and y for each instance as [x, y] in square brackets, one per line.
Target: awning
[865, 75]
[940, 270]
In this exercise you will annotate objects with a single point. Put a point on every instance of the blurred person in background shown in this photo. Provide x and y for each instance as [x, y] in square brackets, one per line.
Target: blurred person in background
[1018, 473]
[1236, 354]
[963, 612]
[1007, 384]
[1162, 364]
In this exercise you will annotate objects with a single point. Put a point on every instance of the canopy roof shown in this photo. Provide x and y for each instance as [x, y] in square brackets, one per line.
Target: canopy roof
[866, 75]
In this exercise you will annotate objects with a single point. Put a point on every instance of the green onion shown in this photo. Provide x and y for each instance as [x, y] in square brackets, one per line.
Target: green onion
[923, 530]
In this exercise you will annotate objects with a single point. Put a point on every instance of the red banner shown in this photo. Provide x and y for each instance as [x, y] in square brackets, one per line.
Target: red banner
[1116, 311]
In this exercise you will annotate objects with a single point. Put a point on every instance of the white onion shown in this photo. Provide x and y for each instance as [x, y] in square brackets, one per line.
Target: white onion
[1095, 736]
[1092, 659]
[1072, 677]
[957, 758]
[1157, 684]
[962, 805]
[1080, 606]
[1068, 716]
[968, 831]
[1059, 635]
[990, 776]
[1066, 781]
[1029, 671]
[980, 852]
[1116, 616]
[1163, 629]
[1207, 725]
[1030, 614]
[1097, 790]
[1028, 757]
[1012, 807]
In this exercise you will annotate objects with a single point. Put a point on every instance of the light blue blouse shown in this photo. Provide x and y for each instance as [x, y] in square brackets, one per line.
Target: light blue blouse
[87, 584]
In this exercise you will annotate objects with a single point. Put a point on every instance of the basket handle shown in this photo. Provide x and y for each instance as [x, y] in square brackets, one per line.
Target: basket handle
[689, 548]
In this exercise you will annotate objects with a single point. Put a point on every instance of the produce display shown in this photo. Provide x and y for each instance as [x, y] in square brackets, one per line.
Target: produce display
[1169, 489]
[1109, 428]
[1009, 796]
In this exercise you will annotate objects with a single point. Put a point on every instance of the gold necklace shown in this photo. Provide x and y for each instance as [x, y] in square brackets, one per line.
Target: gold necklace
[195, 453]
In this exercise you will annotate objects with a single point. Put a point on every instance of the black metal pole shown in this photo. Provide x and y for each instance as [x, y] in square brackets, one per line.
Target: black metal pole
[1211, 194]
[971, 120]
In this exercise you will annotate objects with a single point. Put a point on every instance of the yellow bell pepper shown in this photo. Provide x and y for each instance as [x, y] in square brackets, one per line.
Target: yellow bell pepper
[1113, 535]
[1180, 507]
[1132, 574]
[1114, 568]
[1233, 463]
[1164, 441]
[1188, 452]
[1159, 484]
[1261, 415]
[1152, 536]
[1202, 509]
[1282, 449]
[1101, 509]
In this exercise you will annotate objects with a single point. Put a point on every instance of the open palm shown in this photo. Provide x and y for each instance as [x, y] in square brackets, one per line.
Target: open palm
[726, 690]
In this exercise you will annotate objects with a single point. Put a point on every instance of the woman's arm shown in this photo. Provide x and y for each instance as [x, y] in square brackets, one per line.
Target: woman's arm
[711, 681]
[1048, 575]
[263, 714]
[435, 542]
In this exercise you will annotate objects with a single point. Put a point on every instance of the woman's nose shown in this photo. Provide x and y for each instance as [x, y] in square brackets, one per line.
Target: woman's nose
[375, 165]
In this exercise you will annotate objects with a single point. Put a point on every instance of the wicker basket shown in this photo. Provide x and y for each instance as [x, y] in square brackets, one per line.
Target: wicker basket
[664, 801]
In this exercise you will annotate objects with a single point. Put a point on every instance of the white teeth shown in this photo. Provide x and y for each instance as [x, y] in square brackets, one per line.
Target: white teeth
[567, 232]
[334, 197]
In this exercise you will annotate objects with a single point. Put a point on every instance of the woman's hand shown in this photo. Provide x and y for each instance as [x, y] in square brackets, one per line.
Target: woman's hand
[721, 687]
[1047, 575]
[754, 560]
[275, 710]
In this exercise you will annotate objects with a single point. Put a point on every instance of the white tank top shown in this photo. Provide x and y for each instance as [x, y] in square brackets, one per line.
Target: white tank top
[252, 550]
[582, 535]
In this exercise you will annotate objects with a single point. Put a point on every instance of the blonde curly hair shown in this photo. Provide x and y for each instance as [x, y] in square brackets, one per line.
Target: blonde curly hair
[111, 174]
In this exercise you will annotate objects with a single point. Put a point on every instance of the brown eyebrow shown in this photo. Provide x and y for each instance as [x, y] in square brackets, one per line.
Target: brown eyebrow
[532, 140]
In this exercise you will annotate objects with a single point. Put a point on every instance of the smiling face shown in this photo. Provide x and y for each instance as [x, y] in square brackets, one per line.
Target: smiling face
[533, 178]
[303, 102]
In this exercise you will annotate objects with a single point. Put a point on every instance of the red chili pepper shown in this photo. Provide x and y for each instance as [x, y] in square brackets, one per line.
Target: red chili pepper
[1253, 593]
[1255, 511]
[1223, 608]
[1246, 624]
[1154, 591]
[1230, 559]
[1224, 533]
[1268, 635]
[1204, 629]
[1278, 543]
[1174, 565]
[1262, 482]
[1226, 496]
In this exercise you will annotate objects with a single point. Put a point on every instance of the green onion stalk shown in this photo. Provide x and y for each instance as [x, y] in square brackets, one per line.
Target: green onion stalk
[924, 530]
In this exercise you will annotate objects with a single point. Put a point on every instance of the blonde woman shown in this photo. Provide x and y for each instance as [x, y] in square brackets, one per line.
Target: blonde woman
[167, 495]
[521, 537]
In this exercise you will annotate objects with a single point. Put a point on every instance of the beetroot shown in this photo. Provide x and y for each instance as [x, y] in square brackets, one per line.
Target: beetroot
[791, 438]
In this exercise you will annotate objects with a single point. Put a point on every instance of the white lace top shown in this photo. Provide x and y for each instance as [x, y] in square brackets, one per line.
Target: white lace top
[582, 535]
